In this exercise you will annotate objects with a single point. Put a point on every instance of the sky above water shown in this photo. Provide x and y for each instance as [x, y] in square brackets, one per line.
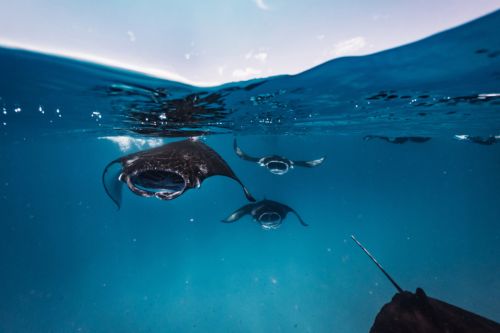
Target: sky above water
[217, 41]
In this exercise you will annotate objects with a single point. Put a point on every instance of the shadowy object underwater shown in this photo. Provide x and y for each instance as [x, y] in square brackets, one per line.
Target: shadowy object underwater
[166, 172]
[268, 213]
[417, 313]
[485, 141]
[398, 139]
[277, 165]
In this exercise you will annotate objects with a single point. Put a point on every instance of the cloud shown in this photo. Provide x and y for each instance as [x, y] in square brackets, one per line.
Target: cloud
[221, 70]
[348, 46]
[246, 73]
[125, 143]
[261, 4]
[261, 56]
[131, 36]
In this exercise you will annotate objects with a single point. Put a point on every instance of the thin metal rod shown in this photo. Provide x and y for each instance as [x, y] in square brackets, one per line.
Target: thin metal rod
[378, 265]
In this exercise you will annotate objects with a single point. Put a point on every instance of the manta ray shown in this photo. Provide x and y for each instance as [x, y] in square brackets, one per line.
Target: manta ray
[269, 214]
[166, 172]
[486, 141]
[398, 139]
[418, 313]
[276, 164]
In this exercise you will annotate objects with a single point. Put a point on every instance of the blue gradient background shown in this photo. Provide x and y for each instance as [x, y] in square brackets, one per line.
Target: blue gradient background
[72, 263]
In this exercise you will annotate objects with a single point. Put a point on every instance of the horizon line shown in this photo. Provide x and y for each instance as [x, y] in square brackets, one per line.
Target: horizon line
[80, 56]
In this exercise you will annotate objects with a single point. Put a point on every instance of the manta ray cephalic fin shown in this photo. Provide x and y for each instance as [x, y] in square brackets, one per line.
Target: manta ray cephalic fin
[111, 182]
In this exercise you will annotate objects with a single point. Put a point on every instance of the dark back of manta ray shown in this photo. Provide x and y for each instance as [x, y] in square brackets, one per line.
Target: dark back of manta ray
[418, 313]
[198, 152]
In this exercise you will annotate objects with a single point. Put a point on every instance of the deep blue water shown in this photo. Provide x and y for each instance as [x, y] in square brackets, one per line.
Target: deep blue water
[430, 212]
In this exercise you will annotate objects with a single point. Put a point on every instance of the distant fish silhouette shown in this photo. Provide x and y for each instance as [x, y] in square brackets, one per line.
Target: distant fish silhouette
[417, 313]
[166, 172]
[487, 141]
[270, 214]
[398, 139]
[277, 165]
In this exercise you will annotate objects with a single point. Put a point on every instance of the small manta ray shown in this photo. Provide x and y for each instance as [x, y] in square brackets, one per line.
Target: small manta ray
[277, 165]
[166, 172]
[270, 214]
[486, 141]
[398, 139]
[417, 313]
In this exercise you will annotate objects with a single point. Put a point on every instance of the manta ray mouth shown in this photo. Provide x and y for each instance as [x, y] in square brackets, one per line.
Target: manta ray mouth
[277, 167]
[269, 220]
[161, 183]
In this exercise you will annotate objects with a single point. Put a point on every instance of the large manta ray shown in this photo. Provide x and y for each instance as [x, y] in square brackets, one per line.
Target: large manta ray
[276, 164]
[269, 214]
[166, 172]
[417, 313]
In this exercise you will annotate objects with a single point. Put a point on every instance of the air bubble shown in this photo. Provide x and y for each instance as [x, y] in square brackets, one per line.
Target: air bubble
[97, 115]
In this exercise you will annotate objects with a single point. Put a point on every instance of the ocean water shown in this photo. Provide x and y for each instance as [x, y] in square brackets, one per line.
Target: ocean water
[70, 261]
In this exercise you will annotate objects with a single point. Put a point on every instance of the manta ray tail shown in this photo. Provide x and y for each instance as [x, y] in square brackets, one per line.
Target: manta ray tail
[309, 164]
[241, 154]
[112, 185]
[238, 214]
[378, 265]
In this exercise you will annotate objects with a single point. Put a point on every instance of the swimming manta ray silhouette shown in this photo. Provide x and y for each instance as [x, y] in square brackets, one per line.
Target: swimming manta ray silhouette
[276, 164]
[268, 213]
[166, 172]
[417, 313]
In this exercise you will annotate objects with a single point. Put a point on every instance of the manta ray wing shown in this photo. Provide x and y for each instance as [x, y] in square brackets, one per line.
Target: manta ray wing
[111, 182]
[212, 164]
[239, 213]
[309, 164]
[298, 217]
[243, 155]
[287, 208]
[417, 313]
